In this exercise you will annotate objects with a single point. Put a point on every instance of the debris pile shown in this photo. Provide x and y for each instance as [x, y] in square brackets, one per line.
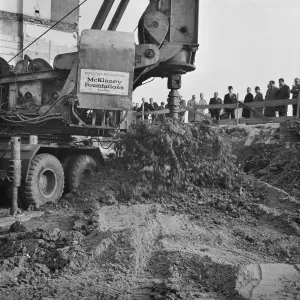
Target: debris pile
[277, 164]
[290, 130]
[171, 155]
[33, 257]
[113, 239]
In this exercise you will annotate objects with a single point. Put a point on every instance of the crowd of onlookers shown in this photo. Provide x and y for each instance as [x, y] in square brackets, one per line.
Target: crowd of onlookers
[282, 92]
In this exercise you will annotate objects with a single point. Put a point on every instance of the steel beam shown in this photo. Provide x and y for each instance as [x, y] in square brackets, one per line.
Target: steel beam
[33, 76]
[15, 172]
[118, 15]
[102, 14]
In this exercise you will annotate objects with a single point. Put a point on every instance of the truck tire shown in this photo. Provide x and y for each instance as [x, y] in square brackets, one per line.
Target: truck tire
[78, 167]
[45, 182]
[65, 161]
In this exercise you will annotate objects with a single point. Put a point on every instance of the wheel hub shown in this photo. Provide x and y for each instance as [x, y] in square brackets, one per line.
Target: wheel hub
[47, 183]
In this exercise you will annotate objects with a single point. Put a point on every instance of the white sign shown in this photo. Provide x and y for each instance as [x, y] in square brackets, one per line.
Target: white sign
[104, 82]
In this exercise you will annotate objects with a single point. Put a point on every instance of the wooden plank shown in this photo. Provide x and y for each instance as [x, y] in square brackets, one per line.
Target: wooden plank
[282, 119]
[273, 103]
[226, 122]
[198, 113]
[253, 104]
[257, 113]
[215, 106]
[158, 112]
[253, 121]
[233, 106]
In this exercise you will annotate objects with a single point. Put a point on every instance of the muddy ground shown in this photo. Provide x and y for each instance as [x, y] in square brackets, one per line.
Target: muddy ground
[108, 241]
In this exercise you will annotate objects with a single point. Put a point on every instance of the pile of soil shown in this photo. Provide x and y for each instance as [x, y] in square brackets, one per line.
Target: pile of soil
[171, 155]
[115, 240]
[277, 164]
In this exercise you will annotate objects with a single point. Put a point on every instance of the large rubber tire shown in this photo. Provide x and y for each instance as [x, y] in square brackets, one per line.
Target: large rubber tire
[65, 161]
[79, 167]
[45, 182]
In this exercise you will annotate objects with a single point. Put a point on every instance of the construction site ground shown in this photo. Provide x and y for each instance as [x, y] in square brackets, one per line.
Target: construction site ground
[106, 242]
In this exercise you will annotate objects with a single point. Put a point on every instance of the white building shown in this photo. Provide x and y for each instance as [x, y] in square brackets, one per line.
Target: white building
[22, 21]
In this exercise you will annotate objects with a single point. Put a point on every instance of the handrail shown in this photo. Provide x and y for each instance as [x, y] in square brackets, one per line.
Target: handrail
[256, 116]
[252, 104]
[232, 106]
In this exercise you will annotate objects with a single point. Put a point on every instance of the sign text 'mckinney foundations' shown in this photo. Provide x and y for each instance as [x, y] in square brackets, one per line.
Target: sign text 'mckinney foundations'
[104, 82]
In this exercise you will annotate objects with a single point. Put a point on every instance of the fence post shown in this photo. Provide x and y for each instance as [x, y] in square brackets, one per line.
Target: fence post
[143, 110]
[298, 107]
[237, 109]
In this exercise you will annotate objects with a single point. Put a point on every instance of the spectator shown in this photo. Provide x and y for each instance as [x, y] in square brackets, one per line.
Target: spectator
[215, 112]
[230, 98]
[258, 98]
[202, 101]
[152, 106]
[282, 94]
[295, 91]
[182, 113]
[248, 99]
[271, 95]
[162, 106]
[135, 107]
[145, 105]
[191, 103]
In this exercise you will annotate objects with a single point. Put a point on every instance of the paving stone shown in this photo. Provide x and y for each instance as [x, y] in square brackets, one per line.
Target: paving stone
[269, 281]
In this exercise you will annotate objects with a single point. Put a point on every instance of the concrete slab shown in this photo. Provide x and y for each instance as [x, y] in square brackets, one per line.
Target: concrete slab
[24, 217]
[269, 282]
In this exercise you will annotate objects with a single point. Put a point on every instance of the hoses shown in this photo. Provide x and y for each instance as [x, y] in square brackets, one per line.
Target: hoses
[22, 119]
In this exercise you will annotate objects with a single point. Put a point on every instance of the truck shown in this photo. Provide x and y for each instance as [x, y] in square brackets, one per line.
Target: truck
[43, 107]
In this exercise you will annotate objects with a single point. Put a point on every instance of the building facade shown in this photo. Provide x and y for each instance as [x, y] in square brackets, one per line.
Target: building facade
[22, 21]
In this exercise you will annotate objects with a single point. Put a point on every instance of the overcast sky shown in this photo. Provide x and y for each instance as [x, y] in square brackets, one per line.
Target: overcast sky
[242, 43]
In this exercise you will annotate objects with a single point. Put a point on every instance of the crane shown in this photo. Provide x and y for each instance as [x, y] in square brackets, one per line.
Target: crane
[87, 93]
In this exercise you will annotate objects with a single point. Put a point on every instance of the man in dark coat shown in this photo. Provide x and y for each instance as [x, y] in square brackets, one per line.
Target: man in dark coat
[146, 107]
[258, 98]
[248, 99]
[295, 91]
[282, 94]
[162, 106]
[153, 106]
[215, 112]
[271, 95]
[230, 98]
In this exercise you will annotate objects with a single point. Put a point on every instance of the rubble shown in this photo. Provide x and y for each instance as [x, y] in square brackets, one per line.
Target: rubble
[172, 155]
[116, 238]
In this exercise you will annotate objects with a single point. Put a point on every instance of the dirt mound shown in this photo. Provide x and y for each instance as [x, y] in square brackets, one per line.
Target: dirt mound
[184, 245]
[34, 257]
[170, 155]
[278, 165]
[115, 240]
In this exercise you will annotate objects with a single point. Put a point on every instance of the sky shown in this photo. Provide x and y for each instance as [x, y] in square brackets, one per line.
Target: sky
[242, 43]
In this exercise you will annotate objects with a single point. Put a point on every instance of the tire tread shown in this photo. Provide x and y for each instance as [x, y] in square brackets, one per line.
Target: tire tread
[29, 191]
